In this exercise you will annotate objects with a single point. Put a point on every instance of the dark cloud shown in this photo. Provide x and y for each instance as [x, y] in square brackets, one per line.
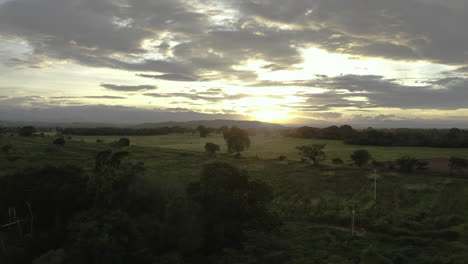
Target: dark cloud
[104, 114]
[171, 77]
[199, 96]
[328, 115]
[399, 29]
[347, 91]
[128, 88]
[210, 96]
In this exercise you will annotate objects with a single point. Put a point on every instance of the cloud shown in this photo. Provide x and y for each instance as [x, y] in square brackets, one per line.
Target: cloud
[210, 96]
[128, 88]
[171, 77]
[103, 97]
[377, 92]
[399, 29]
[328, 115]
[105, 114]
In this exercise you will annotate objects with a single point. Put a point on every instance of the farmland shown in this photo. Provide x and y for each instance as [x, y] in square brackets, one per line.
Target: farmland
[313, 202]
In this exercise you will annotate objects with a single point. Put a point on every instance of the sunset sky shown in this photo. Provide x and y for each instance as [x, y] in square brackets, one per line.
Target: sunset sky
[317, 62]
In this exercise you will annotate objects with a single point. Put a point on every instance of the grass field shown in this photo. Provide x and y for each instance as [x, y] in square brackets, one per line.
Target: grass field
[305, 196]
[270, 147]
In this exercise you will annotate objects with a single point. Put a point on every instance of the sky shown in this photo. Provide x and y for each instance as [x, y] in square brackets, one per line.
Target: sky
[399, 63]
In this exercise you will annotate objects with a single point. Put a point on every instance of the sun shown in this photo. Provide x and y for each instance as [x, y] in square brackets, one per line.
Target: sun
[268, 115]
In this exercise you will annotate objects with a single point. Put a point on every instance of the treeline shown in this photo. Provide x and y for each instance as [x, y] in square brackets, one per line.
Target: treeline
[452, 138]
[112, 131]
[448, 138]
[332, 132]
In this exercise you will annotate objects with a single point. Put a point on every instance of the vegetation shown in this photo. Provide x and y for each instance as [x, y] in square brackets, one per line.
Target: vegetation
[138, 205]
[59, 141]
[361, 157]
[453, 138]
[211, 148]
[237, 140]
[313, 152]
[27, 131]
[457, 165]
[407, 164]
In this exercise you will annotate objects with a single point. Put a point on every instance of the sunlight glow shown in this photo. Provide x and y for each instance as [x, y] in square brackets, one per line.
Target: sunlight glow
[268, 115]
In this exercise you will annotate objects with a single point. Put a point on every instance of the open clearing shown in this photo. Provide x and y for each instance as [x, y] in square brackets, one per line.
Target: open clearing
[270, 147]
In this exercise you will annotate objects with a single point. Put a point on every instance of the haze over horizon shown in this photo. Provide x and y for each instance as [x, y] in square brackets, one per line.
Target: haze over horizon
[399, 63]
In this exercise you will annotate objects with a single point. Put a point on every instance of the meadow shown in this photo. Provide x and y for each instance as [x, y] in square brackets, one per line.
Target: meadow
[270, 147]
[313, 202]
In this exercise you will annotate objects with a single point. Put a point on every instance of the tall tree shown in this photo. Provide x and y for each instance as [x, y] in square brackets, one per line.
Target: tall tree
[237, 139]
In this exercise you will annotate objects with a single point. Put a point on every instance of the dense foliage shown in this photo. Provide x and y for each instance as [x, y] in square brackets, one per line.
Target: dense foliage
[237, 139]
[211, 148]
[68, 215]
[313, 152]
[453, 138]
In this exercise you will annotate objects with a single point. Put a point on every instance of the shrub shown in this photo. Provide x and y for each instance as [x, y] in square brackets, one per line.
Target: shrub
[59, 141]
[407, 163]
[361, 157]
[211, 148]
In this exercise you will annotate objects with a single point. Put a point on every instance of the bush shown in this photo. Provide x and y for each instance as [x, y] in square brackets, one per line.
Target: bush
[211, 148]
[59, 141]
[361, 157]
[124, 142]
[407, 163]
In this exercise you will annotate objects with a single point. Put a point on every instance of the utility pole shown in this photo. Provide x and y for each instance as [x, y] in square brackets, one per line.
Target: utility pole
[375, 185]
[353, 213]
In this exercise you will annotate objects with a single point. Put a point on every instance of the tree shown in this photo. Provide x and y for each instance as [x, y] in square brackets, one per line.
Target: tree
[457, 165]
[124, 142]
[204, 132]
[230, 204]
[313, 152]
[59, 141]
[237, 139]
[361, 157]
[211, 148]
[407, 164]
[27, 131]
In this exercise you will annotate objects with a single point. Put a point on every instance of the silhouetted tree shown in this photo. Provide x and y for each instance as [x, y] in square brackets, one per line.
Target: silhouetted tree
[124, 142]
[59, 141]
[203, 131]
[211, 148]
[313, 152]
[230, 205]
[237, 139]
[361, 157]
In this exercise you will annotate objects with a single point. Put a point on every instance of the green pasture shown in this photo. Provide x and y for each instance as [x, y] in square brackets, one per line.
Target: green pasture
[271, 147]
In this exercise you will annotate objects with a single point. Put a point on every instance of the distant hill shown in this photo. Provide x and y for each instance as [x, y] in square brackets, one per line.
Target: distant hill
[214, 124]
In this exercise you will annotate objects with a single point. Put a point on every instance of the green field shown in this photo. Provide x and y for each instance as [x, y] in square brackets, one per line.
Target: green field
[314, 202]
[270, 147]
